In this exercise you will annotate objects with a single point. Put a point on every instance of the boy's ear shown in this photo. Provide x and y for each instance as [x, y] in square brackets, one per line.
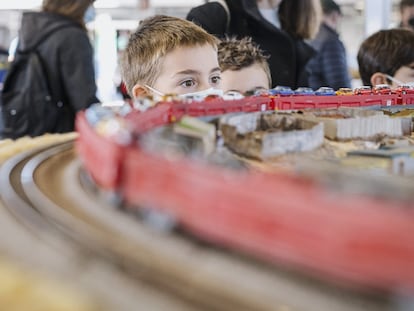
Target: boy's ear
[378, 78]
[139, 91]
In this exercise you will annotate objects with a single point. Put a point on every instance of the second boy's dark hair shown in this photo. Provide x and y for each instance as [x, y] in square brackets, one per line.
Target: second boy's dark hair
[385, 51]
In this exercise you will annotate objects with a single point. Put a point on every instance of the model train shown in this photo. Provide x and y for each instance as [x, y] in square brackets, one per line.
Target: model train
[173, 109]
[279, 217]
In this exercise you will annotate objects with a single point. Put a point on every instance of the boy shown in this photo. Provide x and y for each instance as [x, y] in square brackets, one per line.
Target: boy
[170, 55]
[387, 57]
[243, 66]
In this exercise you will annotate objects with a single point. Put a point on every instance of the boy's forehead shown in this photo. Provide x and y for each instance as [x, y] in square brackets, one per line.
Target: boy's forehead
[245, 79]
[200, 58]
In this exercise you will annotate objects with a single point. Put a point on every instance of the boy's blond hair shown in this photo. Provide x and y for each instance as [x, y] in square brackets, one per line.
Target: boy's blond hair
[154, 38]
[234, 54]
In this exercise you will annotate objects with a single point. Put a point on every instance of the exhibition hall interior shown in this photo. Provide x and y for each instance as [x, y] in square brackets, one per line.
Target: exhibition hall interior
[177, 155]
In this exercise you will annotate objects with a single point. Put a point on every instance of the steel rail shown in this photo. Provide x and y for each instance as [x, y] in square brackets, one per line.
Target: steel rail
[61, 252]
[15, 199]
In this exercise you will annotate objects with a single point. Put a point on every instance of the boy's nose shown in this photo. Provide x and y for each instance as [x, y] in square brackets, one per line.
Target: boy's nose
[204, 86]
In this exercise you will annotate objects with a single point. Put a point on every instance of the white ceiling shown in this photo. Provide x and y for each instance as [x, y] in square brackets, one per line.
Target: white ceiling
[32, 4]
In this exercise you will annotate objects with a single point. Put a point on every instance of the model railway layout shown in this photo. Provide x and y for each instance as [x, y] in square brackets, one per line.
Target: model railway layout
[280, 217]
[305, 240]
[96, 244]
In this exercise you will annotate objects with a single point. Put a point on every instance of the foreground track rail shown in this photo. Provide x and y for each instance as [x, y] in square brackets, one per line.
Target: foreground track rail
[37, 241]
[186, 274]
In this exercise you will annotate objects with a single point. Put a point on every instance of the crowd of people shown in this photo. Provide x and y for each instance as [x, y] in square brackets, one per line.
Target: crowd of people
[221, 46]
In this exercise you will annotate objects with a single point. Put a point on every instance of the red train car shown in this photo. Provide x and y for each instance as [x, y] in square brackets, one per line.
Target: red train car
[304, 102]
[219, 106]
[359, 240]
[167, 112]
[159, 115]
[101, 156]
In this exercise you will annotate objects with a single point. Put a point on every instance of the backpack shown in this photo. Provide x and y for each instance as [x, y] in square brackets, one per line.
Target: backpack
[27, 105]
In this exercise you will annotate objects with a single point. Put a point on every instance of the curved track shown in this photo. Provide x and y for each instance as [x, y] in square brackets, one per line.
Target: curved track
[36, 241]
[43, 192]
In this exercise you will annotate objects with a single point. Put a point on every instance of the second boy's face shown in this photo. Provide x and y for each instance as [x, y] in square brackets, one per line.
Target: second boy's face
[243, 80]
[189, 69]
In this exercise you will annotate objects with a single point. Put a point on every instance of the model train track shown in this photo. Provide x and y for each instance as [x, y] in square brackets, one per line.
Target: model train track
[45, 194]
[36, 241]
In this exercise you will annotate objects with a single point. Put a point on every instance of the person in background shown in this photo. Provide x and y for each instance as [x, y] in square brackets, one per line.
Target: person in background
[329, 66]
[67, 54]
[4, 53]
[407, 14]
[279, 27]
[168, 55]
[4, 39]
[243, 66]
[387, 57]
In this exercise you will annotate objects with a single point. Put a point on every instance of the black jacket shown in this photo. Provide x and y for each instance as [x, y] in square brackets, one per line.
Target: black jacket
[329, 66]
[68, 58]
[288, 55]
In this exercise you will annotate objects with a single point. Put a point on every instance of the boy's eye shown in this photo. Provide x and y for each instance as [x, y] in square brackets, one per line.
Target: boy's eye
[187, 83]
[215, 80]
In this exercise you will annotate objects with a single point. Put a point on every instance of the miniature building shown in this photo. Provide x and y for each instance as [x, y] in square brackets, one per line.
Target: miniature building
[395, 161]
[350, 123]
[264, 135]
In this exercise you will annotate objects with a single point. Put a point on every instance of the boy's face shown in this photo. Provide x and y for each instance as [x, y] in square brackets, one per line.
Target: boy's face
[189, 69]
[245, 79]
[405, 74]
[406, 14]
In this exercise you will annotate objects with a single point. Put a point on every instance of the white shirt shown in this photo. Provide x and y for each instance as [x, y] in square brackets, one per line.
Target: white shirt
[271, 15]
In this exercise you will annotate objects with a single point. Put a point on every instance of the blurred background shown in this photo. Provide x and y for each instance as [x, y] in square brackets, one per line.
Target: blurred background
[115, 19]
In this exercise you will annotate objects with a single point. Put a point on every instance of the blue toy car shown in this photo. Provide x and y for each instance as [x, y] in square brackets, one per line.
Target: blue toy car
[281, 90]
[304, 91]
[325, 91]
